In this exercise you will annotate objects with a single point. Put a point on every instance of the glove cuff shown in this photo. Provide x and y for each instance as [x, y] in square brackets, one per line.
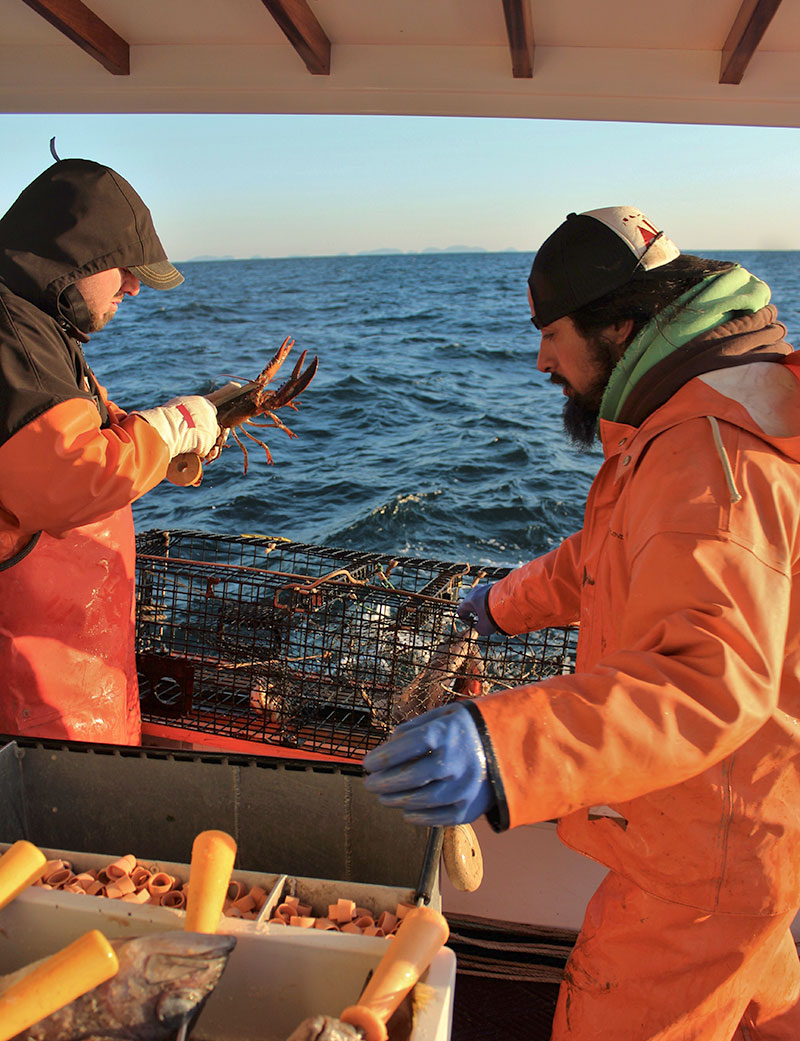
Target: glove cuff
[158, 419]
[498, 814]
[489, 614]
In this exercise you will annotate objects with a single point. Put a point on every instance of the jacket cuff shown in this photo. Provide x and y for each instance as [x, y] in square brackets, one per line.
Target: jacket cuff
[498, 816]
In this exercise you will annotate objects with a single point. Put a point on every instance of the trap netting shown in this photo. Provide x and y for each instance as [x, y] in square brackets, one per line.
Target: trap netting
[315, 649]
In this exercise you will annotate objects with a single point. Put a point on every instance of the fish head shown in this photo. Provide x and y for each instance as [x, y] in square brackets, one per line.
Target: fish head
[166, 978]
[163, 981]
[325, 1028]
[183, 978]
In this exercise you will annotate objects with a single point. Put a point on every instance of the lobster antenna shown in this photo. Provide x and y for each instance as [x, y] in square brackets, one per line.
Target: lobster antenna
[53, 152]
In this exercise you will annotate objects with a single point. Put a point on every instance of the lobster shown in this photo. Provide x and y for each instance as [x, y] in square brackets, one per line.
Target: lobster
[238, 405]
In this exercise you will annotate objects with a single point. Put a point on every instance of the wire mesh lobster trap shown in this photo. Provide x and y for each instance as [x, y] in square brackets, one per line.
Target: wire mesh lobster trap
[318, 650]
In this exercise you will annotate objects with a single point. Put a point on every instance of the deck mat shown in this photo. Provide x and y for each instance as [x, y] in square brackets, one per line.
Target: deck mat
[502, 1010]
[507, 978]
[509, 951]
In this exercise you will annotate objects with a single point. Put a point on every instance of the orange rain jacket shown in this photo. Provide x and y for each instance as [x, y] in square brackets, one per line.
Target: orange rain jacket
[682, 713]
[71, 463]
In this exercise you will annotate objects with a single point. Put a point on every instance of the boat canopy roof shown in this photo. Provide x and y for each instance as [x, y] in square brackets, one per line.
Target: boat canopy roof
[669, 61]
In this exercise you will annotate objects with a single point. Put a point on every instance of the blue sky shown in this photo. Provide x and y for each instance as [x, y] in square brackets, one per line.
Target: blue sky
[280, 185]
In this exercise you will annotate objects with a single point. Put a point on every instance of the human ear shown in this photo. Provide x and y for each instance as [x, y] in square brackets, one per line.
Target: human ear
[620, 334]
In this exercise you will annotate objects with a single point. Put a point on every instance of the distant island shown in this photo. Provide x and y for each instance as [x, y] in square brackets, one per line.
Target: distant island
[388, 251]
[211, 256]
[382, 252]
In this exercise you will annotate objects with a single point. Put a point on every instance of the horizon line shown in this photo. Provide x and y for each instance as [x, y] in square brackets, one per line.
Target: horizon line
[433, 250]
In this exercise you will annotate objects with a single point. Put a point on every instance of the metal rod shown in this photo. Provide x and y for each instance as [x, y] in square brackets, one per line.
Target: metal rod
[183, 1029]
[430, 863]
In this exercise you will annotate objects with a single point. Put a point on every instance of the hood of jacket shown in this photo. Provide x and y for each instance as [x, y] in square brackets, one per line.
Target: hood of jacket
[724, 321]
[75, 219]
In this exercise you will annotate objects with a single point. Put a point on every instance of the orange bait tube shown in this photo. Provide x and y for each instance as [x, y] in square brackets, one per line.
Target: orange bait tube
[20, 866]
[55, 982]
[213, 855]
[422, 933]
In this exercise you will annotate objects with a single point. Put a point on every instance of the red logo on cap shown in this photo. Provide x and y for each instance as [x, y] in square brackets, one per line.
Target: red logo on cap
[648, 232]
[644, 227]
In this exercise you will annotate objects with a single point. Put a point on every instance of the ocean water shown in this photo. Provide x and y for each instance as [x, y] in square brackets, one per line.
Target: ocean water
[428, 431]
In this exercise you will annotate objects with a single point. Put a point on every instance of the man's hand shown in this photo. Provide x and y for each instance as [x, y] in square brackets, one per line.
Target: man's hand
[474, 610]
[187, 424]
[433, 768]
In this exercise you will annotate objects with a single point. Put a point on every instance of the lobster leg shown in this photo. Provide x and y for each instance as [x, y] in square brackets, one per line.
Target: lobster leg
[244, 450]
[274, 422]
[258, 442]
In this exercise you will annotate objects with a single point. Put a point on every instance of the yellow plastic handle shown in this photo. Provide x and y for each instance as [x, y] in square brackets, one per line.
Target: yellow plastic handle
[213, 855]
[20, 866]
[55, 982]
[185, 470]
[422, 933]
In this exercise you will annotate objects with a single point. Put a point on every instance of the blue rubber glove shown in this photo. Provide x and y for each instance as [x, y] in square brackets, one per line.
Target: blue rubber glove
[433, 768]
[474, 610]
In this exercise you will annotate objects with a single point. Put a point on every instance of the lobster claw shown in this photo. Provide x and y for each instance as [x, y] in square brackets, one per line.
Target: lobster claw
[293, 387]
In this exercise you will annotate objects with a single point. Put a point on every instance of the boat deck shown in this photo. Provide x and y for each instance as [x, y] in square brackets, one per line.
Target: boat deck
[502, 1010]
[507, 978]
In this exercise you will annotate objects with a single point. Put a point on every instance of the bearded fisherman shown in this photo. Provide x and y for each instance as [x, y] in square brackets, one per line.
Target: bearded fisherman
[672, 753]
[76, 242]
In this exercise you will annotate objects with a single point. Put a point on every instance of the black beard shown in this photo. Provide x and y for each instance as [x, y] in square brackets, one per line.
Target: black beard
[581, 411]
[580, 424]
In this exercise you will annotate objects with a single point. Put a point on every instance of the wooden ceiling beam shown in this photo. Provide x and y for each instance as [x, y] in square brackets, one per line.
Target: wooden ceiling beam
[520, 37]
[303, 32]
[90, 33]
[749, 26]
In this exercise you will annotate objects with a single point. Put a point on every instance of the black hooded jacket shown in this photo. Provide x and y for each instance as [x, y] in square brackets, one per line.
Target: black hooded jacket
[67, 455]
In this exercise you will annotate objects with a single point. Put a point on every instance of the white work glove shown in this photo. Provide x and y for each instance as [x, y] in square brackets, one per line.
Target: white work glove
[224, 433]
[187, 424]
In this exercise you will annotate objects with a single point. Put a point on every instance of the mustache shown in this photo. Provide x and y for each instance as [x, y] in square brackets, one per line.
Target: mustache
[559, 381]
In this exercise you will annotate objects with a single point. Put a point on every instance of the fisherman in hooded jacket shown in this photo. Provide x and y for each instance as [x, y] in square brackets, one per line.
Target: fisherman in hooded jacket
[73, 245]
[671, 754]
